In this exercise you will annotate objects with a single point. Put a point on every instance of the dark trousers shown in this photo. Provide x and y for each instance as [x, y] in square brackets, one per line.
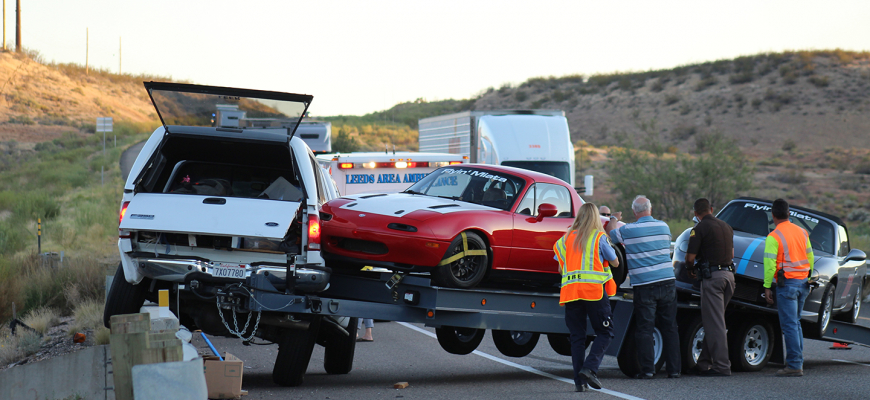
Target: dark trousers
[599, 315]
[655, 306]
[716, 292]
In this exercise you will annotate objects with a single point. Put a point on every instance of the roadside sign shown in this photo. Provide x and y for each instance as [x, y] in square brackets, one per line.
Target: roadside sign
[104, 124]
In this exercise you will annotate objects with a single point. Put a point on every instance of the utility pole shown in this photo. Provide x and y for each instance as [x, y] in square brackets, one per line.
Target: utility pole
[4, 25]
[17, 25]
[87, 43]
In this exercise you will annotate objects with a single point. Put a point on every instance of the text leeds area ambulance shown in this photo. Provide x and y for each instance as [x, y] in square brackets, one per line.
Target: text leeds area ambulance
[383, 172]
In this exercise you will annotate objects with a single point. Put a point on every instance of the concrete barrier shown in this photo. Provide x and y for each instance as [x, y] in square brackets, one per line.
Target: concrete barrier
[182, 380]
[83, 373]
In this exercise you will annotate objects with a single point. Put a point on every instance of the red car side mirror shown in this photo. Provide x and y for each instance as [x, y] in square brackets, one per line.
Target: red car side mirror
[546, 210]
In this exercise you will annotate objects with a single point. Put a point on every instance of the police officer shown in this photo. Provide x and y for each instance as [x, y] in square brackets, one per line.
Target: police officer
[711, 242]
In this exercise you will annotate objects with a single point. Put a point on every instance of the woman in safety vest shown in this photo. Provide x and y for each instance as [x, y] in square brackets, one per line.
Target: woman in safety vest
[585, 256]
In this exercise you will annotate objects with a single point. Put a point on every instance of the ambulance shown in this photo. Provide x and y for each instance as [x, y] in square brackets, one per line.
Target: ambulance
[368, 172]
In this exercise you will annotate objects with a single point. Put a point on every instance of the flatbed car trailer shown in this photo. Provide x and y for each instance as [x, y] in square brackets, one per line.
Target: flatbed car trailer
[516, 319]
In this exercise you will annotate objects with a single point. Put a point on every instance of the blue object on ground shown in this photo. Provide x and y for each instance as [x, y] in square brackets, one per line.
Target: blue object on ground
[211, 346]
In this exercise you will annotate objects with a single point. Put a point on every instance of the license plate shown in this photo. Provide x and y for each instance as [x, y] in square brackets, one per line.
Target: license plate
[224, 270]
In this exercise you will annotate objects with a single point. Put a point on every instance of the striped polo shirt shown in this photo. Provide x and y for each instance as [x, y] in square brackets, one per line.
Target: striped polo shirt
[647, 250]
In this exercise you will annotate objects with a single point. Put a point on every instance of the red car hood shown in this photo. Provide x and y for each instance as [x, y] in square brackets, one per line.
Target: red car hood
[412, 206]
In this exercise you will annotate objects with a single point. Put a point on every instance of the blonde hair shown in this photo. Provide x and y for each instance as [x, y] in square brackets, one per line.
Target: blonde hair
[586, 224]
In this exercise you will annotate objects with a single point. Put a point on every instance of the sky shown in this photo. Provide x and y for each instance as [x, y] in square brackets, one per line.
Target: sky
[357, 57]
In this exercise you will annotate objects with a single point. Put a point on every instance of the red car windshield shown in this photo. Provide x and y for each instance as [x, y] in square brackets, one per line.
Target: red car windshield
[479, 186]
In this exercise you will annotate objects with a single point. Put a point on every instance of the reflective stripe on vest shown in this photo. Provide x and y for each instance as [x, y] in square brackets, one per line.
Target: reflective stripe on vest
[793, 253]
[584, 274]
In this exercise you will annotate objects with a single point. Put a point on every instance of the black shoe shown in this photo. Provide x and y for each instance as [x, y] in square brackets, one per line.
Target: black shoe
[673, 375]
[695, 371]
[643, 376]
[712, 372]
[591, 378]
[582, 388]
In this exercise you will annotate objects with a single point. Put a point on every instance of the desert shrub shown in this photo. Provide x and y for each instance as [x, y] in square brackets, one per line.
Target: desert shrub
[685, 109]
[683, 132]
[771, 162]
[41, 319]
[35, 205]
[20, 119]
[521, 96]
[88, 316]
[859, 215]
[819, 81]
[658, 85]
[671, 98]
[101, 335]
[13, 348]
[863, 167]
[789, 145]
[791, 177]
[705, 83]
[742, 77]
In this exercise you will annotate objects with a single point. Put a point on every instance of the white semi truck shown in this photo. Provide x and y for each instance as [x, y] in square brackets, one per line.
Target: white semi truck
[537, 140]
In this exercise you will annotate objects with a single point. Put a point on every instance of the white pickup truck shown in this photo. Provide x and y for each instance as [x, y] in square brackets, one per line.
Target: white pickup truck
[206, 208]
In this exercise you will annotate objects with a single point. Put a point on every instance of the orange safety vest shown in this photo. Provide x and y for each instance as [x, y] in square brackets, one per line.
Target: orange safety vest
[585, 276]
[792, 251]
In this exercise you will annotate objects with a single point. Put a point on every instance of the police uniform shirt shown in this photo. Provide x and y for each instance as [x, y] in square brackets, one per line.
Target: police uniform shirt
[712, 240]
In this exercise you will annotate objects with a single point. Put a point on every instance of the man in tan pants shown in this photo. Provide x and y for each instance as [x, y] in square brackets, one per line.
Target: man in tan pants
[712, 240]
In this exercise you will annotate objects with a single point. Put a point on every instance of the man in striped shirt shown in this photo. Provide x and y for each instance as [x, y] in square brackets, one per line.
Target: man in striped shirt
[647, 256]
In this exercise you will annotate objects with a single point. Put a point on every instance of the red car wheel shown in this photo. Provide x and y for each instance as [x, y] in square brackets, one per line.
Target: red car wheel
[464, 264]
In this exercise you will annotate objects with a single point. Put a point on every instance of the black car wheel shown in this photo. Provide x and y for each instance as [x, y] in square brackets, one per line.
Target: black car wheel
[560, 343]
[123, 297]
[852, 315]
[515, 343]
[691, 343]
[627, 358]
[826, 309]
[464, 264]
[455, 340]
[751, 345]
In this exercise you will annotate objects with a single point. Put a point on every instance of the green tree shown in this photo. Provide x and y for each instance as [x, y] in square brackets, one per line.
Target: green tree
[344, 143]
[673, 181]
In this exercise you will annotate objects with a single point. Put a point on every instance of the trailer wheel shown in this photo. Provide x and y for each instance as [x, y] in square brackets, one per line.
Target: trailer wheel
[826, 309]
[560, 343]
[294, 353]
[691, 343]
[751, 345]
[515, 343]
[620, 272]
[338, 349]
[627, 358]
[464, 264]
[123, 297]
[457, 340]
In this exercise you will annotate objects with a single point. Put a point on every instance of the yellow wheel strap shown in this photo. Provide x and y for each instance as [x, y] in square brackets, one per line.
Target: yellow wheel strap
[463, 253]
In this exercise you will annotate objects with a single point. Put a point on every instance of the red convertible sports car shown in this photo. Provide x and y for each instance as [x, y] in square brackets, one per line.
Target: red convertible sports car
[460, 223]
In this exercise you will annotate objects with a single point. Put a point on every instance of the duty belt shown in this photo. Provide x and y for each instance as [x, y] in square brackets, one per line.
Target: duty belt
[729, 267]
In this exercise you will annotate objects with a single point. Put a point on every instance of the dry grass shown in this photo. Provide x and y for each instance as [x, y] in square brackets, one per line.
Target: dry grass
[88, 316]
[16, 347]
[41, 319]
[101, 335]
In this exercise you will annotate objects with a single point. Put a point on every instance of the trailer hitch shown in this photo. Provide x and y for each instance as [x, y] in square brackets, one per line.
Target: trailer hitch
[314, 303]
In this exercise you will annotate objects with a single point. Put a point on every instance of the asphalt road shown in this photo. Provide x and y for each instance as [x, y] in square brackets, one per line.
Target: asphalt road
[410, 353]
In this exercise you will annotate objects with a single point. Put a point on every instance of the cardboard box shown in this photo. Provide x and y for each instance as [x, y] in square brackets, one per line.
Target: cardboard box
[224, 378]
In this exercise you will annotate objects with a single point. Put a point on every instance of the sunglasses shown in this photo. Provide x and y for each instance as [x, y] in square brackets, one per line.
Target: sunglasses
[605, 214]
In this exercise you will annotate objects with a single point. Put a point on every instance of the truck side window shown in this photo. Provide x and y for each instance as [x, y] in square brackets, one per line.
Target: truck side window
[843, 247]
[556, 195]
[315, 169]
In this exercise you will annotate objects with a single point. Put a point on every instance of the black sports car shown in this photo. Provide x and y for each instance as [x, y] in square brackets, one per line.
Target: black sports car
[840, 270]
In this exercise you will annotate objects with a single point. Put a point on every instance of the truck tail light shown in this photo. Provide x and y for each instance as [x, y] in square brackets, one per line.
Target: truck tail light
[345, 165]
[455, 162]
[313, 232]
[123, 234]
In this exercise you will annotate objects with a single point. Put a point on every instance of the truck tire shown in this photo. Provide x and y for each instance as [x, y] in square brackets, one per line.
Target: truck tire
[455, 340]
[560, 343]
[338, 349]
[826, 310]
[751, 344]
[294, 353]
[620, 272]
[627, 358]
[123, 297]
[467, 270]
[515, 343]
[691, 343]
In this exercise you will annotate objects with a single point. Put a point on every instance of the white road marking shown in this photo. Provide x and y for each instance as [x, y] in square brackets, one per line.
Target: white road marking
[525, 367]
[852, 362]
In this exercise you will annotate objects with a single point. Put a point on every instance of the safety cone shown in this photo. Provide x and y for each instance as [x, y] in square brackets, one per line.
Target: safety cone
[840, 346]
